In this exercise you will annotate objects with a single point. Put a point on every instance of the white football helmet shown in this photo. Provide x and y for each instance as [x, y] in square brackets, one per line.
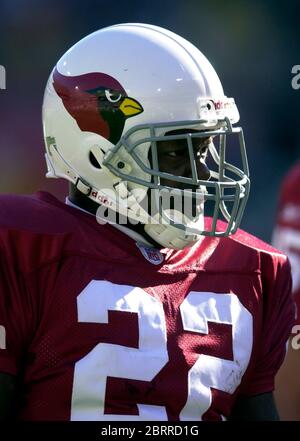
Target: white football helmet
[108, 102]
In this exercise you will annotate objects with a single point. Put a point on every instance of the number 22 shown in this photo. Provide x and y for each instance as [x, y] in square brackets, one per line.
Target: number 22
[91, 372]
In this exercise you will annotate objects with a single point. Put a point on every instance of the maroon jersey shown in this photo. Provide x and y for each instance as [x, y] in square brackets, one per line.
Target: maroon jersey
[98, 332]
[286, 235]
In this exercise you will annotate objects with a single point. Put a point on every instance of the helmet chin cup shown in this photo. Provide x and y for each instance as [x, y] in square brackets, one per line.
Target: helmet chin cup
[169, 236]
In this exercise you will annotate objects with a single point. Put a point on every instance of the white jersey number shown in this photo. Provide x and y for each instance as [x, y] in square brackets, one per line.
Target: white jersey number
[112, 360]
[196, 310]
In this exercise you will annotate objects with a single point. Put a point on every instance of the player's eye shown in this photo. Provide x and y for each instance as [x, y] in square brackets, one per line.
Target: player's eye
[112, 95]
[177, 153]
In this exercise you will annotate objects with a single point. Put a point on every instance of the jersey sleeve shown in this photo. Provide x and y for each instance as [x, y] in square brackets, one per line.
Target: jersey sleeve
[287, 239]
[16, 313]
[278, 317]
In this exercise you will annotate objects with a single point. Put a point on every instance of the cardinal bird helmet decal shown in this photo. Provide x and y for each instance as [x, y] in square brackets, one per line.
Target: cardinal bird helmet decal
[109, 103]
[97, 102]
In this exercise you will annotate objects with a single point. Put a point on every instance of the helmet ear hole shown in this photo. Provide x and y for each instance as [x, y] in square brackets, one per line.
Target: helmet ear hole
[94, 161]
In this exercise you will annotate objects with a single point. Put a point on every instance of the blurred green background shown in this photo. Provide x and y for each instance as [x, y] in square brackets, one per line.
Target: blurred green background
[253, 46]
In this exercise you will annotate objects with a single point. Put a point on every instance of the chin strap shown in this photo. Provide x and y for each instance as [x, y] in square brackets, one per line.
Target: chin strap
[169, 236]
[164, 234]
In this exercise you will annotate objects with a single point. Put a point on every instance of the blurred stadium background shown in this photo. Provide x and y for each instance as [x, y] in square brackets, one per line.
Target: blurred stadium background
[252, 45]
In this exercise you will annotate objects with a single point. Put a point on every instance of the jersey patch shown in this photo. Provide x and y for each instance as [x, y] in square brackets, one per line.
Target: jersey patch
[153, 255]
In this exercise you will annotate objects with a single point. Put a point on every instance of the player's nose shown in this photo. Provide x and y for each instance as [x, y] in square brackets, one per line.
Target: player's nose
[203, 172]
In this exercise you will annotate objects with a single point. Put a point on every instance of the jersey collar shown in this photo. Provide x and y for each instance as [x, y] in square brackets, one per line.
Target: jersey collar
[130, 233]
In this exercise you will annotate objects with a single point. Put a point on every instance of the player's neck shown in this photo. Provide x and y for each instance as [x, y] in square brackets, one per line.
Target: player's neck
[79, 199]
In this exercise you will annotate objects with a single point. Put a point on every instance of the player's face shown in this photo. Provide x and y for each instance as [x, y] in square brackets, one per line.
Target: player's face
[173, 158]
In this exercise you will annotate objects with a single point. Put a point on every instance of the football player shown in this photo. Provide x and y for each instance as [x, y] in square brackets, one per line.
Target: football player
[128, 302]
[286, 236]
